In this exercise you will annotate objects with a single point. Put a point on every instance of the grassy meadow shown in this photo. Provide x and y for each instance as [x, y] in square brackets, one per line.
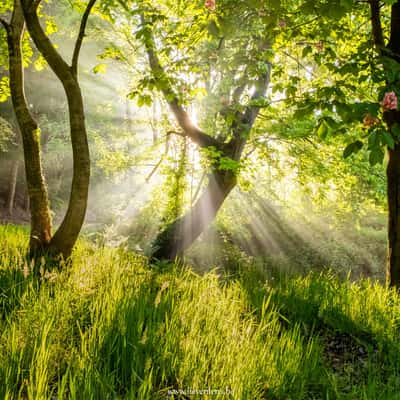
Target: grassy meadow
[110, 326]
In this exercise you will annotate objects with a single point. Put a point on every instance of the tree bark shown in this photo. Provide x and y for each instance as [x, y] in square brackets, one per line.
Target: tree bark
[37, 189]
[66, 235]
[180, 235]
[393, 194]
[12, 188]
[393, 168]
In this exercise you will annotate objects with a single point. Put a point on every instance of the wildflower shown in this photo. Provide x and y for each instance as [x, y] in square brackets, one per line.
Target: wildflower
[389, 101]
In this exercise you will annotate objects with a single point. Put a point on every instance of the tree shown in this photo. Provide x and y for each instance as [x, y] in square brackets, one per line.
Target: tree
[347, 80]
[65, 237]
[233, 66]
[390, 58]
[39, 204]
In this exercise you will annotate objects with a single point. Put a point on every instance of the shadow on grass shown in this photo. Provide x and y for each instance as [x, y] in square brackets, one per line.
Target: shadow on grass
[350, 350]
[25, 274]
[129, 358]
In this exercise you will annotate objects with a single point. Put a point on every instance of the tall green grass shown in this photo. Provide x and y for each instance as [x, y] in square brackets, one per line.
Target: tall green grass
[111, 327]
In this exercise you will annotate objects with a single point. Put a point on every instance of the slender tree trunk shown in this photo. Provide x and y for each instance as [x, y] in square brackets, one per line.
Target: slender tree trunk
[65, 237]
[13, 185]
[179, 235]
[37, 188]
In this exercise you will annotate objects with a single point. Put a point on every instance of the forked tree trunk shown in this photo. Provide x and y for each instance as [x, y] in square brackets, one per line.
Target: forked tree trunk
[12, 187]
[37, 190]
[179, 235]
[65, 238]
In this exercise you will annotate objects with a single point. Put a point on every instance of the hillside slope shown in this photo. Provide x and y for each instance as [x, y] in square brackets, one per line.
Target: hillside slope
[109, 326]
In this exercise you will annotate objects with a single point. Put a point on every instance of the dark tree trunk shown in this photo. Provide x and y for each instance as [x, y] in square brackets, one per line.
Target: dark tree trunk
[180, 235]
[12, 188]
[37, 188]
[393, 168]
[393, 193]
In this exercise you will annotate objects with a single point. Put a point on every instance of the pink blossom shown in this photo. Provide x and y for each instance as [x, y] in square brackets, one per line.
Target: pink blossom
[389, 101]
[210, 5]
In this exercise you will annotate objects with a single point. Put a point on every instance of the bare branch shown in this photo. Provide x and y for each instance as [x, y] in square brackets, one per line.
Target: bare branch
[154, 170]
[200, 185]
[81, 35]
[200, 138]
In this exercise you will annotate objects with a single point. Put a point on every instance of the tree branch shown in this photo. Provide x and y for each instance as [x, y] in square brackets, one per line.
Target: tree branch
[182, 117]
[42, 42]
[201, 138]
[81, 35]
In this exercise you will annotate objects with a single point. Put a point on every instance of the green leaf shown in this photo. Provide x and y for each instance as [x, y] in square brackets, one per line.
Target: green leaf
[376, 156]
[323, 130]
[100, 69]
[144, 100]
[388, 139]
[352, 148]
[306, 51]
[372, 140]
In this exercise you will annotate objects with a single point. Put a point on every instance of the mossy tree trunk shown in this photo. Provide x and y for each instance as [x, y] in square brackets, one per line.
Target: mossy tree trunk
[65, 237]
[181, 233]
[37, 189]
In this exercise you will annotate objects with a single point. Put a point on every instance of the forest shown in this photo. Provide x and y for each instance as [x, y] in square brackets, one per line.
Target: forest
[200, 199]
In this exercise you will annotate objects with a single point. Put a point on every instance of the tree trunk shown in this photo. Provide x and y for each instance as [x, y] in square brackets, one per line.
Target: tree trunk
[37, 189]
[65, 237]
[179, 235]
[393, 193]
[13, 185]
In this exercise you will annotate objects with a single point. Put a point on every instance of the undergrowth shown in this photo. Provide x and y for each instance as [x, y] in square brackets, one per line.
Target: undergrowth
[112, 327]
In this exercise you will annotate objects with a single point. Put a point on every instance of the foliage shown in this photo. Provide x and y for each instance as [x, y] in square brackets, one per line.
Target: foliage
[7, 135]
